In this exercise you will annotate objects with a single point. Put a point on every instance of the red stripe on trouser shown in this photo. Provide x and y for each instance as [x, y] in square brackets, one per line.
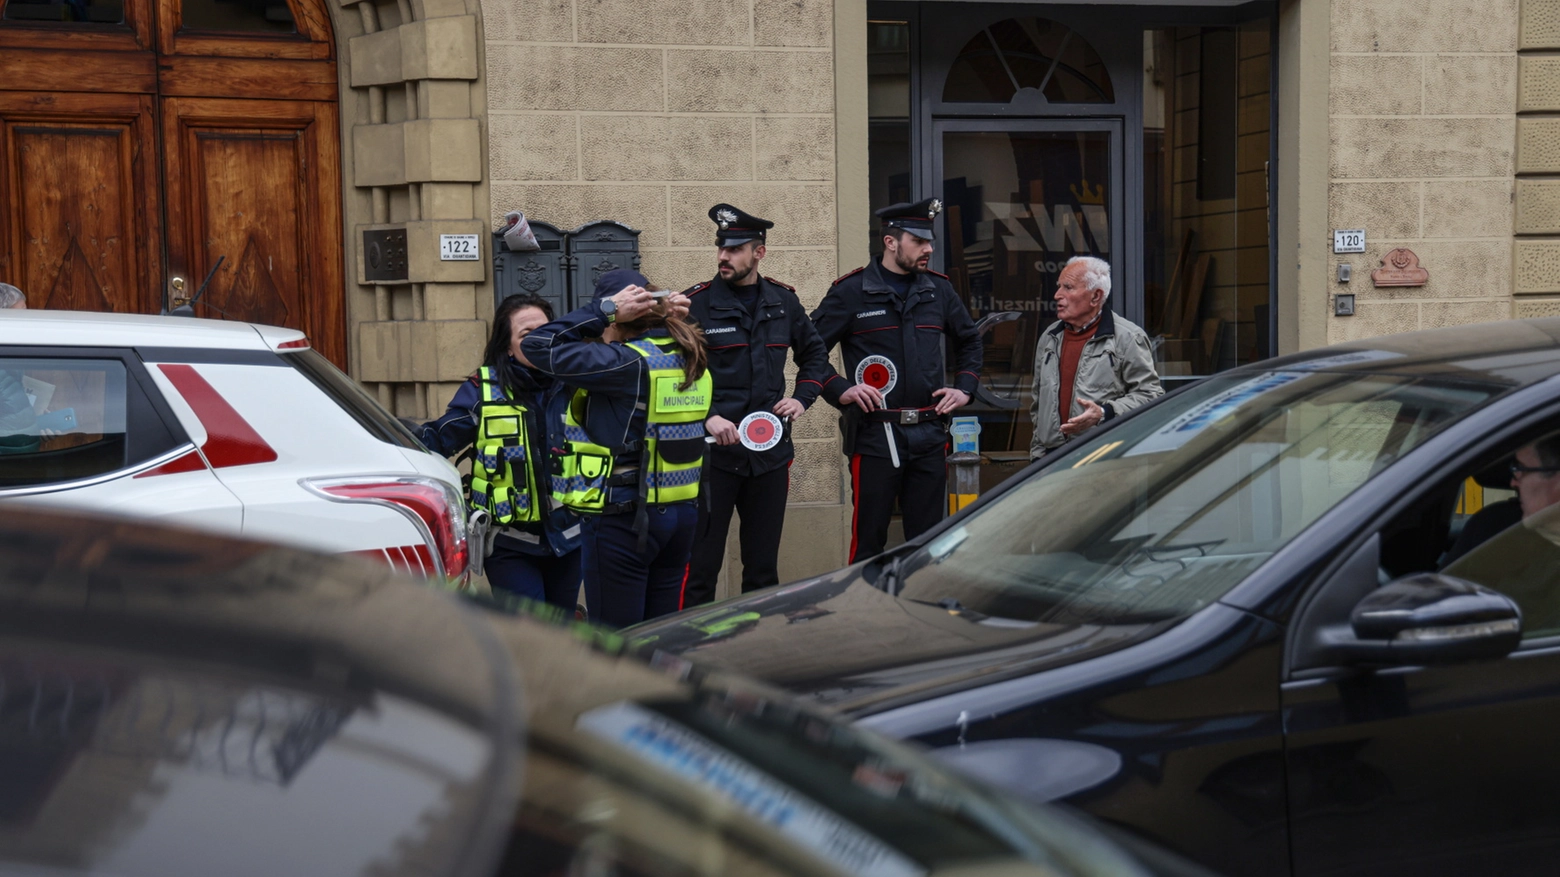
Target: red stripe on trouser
[855, 502]
[682, 595]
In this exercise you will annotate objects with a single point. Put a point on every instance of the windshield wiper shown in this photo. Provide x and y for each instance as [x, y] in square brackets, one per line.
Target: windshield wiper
[888, 577]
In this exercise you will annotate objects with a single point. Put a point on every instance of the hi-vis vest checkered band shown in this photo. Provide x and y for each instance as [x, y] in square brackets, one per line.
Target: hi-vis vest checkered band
[674, 424]
[502, 480]
[673, 446]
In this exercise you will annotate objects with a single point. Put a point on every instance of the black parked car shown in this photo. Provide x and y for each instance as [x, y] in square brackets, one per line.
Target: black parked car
[177, 704]
[1227, 621]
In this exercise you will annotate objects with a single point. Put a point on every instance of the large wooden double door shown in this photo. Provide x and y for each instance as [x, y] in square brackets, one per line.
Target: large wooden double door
[142, 141]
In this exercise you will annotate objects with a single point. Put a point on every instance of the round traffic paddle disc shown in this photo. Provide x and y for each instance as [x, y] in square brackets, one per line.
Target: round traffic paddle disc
[760, 431]
[877, 372]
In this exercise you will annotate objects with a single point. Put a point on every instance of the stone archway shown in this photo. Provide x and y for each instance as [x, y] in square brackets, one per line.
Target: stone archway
[413, 119]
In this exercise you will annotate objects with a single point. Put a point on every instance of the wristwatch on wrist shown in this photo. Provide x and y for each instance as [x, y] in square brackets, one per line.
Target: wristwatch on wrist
[609, 309]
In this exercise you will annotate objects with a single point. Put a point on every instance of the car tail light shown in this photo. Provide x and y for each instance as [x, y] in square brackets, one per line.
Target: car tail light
[295, 344]
[436, 508]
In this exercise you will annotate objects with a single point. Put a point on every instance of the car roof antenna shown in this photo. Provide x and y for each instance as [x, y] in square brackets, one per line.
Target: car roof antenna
[188, 308]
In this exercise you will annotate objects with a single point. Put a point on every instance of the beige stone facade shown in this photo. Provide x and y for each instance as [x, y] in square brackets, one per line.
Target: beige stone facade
[1422, 113]
[649, 113]
[1432, 124]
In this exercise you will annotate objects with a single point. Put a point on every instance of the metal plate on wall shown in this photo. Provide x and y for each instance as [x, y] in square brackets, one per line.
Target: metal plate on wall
[384, 254]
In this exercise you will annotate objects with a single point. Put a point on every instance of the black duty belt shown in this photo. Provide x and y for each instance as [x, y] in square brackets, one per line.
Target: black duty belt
[906, 416]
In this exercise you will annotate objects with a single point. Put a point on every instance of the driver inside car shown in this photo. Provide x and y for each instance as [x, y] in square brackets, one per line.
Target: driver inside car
[1535, 476]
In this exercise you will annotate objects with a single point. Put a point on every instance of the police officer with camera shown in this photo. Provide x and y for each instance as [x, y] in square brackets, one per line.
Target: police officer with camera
[891, 319]
[749, 322]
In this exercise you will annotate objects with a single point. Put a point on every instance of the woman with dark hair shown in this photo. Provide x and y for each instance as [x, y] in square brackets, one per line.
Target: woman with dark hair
[634, 433]
[511, 415]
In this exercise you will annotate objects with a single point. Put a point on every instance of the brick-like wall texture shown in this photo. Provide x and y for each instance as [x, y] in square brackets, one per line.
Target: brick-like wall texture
[1423, 137]
[649, 112]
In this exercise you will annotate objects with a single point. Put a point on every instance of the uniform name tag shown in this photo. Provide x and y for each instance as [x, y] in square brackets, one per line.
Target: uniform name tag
[864, 314]
[719, 331]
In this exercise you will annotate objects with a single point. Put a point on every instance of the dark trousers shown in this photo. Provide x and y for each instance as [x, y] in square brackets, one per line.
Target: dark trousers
[624, 585]
[760, 500]
[920, 484]
[554, 580]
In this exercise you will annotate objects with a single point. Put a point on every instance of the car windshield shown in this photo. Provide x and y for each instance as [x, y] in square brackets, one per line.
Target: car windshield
[1156, 518]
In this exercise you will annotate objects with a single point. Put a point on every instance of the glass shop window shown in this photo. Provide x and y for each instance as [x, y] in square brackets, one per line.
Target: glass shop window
[1206, 121]
[888, 118]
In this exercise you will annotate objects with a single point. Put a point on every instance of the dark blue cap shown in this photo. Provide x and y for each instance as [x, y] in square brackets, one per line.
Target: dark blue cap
[612, 282]
[735, 226]
[915, 218]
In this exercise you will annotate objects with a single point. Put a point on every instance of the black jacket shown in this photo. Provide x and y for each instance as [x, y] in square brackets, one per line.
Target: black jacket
[747, 361]
[863, 314]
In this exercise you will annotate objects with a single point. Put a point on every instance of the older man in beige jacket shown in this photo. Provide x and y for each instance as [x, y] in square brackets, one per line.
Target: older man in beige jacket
[1090, 365]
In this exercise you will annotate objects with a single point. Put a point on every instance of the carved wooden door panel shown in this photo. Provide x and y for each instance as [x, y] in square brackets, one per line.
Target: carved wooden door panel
[79, 201]
[204, 129]
[242, 179]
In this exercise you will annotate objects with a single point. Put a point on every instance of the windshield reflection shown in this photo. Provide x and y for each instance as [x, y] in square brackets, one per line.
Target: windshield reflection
[1160, 516]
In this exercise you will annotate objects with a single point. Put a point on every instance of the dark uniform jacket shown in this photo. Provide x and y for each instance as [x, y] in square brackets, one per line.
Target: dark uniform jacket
[558, 532]
[864, 315]
[616, 379]
[747, 361]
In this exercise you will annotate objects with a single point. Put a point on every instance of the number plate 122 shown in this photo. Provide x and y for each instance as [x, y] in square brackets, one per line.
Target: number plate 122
[458, 248]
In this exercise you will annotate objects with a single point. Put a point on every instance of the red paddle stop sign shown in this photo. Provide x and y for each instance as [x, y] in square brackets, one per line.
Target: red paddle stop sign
[760, 431]
[877, 372]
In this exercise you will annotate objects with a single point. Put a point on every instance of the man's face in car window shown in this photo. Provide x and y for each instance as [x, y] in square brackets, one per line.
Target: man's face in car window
[1536, 490]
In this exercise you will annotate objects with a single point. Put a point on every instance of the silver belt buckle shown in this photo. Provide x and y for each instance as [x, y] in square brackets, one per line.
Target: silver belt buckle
[909, 416]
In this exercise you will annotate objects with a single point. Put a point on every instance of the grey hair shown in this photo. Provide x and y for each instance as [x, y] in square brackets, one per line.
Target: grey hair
[10, 296]
[1096, 273]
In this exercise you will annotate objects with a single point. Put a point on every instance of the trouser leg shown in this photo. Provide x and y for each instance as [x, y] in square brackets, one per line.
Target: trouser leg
[670, 542]
[761, 505]
[709, 546]
[615, 571]
[512, 572]
[874, 484]
[561, 580]
[923, 493]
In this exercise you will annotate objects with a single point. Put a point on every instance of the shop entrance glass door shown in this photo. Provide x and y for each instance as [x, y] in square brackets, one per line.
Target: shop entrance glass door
[1021, 198]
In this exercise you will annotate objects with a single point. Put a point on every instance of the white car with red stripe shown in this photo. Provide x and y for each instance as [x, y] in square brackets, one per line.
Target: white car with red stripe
[223, 426]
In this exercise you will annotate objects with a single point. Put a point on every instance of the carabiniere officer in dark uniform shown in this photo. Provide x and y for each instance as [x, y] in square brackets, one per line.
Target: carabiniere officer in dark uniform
[749, 323]
[896, 308]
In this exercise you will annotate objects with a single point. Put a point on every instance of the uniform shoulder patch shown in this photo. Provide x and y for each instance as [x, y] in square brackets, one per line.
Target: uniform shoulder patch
[697, 288]
[848, 274]
[781, 284]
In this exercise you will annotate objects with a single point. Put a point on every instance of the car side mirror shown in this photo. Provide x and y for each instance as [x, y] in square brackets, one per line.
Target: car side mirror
[1430, 618]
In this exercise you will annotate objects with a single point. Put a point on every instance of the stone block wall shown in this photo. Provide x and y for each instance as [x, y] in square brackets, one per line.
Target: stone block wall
[649, 112]
[1536, 250]
[1424, 147]
[412, 103]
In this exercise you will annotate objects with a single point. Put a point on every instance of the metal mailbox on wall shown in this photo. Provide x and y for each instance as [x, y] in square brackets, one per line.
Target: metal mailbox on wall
[543, 272]
[565, 269]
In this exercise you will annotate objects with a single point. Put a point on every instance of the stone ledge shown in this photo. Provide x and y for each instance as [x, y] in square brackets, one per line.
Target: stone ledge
[434, 48]
[1538, 83]
[420, 151]
[404, 351]
[1536, 265]
[1537, 206]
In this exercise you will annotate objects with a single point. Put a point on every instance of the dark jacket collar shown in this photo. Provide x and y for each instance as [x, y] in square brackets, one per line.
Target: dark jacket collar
[872, 280]
[723, 296]
[1107, 324]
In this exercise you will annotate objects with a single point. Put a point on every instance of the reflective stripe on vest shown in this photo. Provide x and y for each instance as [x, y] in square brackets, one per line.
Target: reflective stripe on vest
[502, 481]
[579, 474]
[674, 424]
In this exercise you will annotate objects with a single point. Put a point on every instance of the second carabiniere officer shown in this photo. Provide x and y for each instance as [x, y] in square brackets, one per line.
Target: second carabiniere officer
[749, 323]
[891, 318]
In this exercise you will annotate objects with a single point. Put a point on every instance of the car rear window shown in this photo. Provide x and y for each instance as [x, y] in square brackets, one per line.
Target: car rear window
[352, 398]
